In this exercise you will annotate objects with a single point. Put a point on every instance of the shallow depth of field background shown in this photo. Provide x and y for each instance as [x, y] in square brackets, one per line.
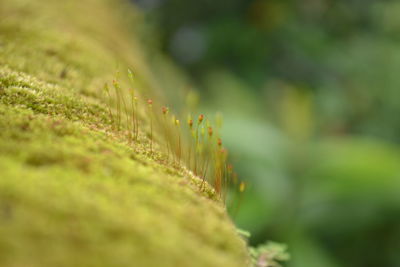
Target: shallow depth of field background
[310, 92]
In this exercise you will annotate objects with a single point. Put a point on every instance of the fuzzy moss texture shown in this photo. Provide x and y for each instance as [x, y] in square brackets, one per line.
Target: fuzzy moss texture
[72, 192]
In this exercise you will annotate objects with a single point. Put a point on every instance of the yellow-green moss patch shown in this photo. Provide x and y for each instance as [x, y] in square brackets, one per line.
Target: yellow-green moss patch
[73, 192]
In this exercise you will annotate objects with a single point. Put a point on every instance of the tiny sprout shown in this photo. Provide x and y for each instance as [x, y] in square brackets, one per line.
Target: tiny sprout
[201, 117]
[210, 131]
[150, 102]
[242, 187]
[177, 122]
[190, 122]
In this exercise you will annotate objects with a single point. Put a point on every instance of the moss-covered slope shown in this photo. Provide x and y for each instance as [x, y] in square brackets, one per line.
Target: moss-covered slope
[73, 192]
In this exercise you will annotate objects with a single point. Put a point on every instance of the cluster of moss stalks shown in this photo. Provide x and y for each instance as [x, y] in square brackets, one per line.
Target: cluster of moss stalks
[201, 153]
[73, 192]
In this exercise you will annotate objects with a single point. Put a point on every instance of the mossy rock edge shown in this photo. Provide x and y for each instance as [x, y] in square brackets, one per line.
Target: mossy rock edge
[72, 191]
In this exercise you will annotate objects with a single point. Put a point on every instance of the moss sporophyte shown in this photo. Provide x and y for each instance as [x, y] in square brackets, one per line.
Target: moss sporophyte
[150, 105]
[197, 146]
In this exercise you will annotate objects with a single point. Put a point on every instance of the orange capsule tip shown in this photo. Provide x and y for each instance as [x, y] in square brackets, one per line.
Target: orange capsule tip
[210, 131]
[201, 117]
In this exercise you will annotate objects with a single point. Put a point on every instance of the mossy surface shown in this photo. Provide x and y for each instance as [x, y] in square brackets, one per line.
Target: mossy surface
[72, 191]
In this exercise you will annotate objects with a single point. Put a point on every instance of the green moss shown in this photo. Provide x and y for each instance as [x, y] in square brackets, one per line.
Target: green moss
[73, 192]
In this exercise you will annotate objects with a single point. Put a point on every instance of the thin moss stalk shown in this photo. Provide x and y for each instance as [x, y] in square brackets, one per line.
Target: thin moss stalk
[199, 121]
[135, 104]
[107, 90]
[118, 100]
[134, 122]
[165, 111]
[241, 189]
[191, 136]
[179, 149]
[150, 106]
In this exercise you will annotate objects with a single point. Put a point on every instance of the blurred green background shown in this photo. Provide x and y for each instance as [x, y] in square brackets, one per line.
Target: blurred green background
[310, 92]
